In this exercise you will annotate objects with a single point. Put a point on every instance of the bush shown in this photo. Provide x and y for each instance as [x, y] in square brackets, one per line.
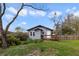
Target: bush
[12, 40]
[23, 42]
[21, 36]
[29, 40]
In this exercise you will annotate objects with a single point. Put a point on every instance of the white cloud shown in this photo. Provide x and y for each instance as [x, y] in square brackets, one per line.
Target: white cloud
[12, 10]
[76, 13]
[52, 14]
[41, 13]
[74, 8]
[23, 12]
[37, 13]
[68, 10]
[32, 12]
[23, 23]
[9, 17]
[71, 10]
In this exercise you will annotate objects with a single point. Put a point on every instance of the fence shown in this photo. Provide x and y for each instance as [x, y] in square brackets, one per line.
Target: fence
[65, 37]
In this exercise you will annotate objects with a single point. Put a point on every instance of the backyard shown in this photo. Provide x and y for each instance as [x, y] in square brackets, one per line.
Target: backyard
[45, 48]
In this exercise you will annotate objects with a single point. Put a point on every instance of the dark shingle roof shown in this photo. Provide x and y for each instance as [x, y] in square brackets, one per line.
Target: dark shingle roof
[39, 26]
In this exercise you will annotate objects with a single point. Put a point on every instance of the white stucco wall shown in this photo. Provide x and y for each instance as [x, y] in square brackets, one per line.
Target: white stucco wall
[38, 33]
[48, 34]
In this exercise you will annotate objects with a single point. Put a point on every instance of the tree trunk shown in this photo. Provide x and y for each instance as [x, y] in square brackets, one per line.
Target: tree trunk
[2, 33]
[4, 41]
[3, 36]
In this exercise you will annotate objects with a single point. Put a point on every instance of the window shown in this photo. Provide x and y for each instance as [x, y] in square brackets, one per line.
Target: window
[42, 32]
[33, 33]
[30, 33]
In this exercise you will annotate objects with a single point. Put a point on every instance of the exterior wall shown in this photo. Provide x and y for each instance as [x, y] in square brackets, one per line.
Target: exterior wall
[47, 33]
[37, 35]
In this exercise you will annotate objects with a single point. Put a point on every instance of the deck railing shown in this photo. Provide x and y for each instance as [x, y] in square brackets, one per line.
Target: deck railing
[63, 37]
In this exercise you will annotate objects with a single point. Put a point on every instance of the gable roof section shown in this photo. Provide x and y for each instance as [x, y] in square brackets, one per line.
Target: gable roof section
[39, 26]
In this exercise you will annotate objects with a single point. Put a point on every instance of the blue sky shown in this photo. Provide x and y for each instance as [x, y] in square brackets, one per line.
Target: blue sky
[30, 17]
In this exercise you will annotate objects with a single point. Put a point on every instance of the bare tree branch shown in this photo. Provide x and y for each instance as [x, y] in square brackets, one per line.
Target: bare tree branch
[4, 8]
[4, 33]
[18, 13]
[34, 7]
[0, 10]
[14, 18]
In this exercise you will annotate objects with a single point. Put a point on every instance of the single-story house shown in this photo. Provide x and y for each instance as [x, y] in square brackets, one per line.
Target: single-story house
[40, 32]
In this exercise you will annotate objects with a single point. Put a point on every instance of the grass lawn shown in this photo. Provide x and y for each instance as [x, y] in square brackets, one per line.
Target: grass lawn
[50, 48]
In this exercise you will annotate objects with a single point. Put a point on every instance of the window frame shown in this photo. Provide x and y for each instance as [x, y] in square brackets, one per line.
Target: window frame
[33, 33]
[30, 33]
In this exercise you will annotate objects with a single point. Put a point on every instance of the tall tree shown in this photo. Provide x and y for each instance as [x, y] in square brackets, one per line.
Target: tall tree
[57, 20]
[4, 33]
[2, 12]
[71, 25]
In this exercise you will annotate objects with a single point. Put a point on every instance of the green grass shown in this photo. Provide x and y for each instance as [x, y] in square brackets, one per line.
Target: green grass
[45, 48]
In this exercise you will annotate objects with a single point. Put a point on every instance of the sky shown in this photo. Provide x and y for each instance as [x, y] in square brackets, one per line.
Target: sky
[29, 17]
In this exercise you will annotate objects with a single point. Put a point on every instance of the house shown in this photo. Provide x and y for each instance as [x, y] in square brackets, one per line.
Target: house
[40, 32]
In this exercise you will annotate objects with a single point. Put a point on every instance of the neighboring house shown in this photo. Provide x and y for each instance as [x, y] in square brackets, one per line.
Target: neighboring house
[40, 32]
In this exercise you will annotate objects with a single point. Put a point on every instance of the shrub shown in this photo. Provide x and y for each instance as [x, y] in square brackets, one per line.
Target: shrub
[29, 40]
[21, 36]
[13, 40]
[23, 42]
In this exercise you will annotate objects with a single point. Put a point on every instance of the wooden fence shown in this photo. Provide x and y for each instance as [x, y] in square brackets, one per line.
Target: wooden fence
[65, 37]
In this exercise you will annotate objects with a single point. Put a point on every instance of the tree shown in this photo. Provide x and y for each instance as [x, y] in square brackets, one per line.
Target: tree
[67, 30]
[2, 12]
[18, 29]
[71, 25]
[4, 33]
[57, 20]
